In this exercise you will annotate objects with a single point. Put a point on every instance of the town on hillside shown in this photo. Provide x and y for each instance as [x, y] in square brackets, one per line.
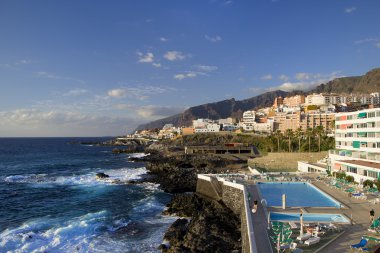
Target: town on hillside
[295, 113]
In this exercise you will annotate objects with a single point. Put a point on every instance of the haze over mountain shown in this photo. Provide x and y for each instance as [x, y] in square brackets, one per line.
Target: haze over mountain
[368, 83]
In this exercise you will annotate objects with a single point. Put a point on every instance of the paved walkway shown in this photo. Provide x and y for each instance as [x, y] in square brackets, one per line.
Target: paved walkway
[360, 213]
[259, 222]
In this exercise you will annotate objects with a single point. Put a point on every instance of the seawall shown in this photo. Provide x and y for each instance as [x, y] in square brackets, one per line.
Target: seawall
[234, 196]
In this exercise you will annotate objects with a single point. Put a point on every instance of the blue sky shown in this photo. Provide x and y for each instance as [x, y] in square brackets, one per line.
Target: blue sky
[96, 68]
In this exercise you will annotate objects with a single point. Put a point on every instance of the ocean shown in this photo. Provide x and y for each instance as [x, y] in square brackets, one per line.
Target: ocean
[50, 200]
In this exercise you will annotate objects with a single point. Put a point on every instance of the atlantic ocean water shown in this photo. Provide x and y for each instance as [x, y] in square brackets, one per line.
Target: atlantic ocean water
[50, 200]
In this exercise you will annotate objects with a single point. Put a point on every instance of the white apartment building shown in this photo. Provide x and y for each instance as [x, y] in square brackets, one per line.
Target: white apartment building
[248, 120]
[357, 143]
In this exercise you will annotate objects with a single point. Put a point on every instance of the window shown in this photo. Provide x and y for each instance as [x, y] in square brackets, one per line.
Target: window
[372, 174]
[371, 135]
[349, 117]
[352, 169]
[371, 114]
[377, 113]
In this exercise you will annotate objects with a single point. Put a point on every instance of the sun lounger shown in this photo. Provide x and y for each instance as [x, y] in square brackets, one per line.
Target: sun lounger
[293, 225]
[304, 237]
[375, 201]
[312, 241]
[360, 245]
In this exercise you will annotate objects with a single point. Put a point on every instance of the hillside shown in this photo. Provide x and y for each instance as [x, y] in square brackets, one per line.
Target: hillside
[222, 109]
[368, 83]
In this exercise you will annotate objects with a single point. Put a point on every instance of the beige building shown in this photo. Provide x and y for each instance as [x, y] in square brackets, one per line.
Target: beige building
[303, 121]
[294, 100]
[278, 101]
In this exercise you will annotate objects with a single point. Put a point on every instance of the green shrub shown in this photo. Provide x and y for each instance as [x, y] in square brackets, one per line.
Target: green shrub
[350, 179]
[368, 183]
[340, 175]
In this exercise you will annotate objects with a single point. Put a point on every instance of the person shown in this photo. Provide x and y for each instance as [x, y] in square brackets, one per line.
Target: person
[254, 209]
[372, 215]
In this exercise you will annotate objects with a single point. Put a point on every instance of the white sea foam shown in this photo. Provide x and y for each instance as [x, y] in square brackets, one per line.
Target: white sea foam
[123, 175]
[87, 233]
[138, 155]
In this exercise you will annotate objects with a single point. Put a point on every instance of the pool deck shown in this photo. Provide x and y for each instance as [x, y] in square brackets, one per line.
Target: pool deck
[360, 213]
[359, 209]
[259, 222]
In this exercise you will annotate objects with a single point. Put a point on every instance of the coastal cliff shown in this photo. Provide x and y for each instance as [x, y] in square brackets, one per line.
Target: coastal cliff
[209, 225]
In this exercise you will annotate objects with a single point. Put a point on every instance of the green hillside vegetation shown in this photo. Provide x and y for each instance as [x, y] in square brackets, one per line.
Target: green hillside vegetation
[277, 142]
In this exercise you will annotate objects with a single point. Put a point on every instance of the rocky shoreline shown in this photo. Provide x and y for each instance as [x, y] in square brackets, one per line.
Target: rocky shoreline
[207, 225]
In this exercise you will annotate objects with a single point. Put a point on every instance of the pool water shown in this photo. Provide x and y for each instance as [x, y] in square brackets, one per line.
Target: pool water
[298, 194]
[310, 217]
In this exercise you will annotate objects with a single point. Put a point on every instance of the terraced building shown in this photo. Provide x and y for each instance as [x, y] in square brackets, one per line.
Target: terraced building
[357, 144]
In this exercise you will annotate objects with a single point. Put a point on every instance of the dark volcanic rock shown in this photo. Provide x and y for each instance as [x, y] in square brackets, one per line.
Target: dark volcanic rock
[213, 227]
[101, 175]
[178, 174]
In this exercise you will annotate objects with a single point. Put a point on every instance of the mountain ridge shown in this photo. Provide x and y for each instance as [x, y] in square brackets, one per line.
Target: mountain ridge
[365, 84]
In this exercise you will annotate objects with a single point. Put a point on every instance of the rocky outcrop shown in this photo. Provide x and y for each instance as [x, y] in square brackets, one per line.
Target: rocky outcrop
[101, 175]
[212, 226]
[178, 174]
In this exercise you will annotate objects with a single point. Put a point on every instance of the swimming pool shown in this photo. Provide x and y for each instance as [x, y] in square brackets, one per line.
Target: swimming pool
[298, 194]
[310, 217]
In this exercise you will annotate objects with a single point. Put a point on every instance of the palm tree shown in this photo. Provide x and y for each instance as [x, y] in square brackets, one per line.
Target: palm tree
[278, 135]
[289, 133]
[319, 131]
[299, 135]
[309, 134]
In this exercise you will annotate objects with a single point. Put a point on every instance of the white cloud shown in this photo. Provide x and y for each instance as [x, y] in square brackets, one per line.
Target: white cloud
[206, 68]
[283, 78]
[267, 77]
[175, 56]
[20, 62]
[366, 40]
[75, 92]
[117, 93]
[213, 38]
[303, 76]
[43, 74]
[187, 75]
[306, 81]
[156, 64]
[145, 58]
[33, 122]
[290, 86]
[377, 44]
[350, 9]
[163, 39]
[153, 111]
[138, 92]
[228, 2]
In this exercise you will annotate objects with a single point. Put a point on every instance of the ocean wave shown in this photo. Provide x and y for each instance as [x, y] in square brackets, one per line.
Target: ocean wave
[87, 233]
[138, 155]
[118, 176]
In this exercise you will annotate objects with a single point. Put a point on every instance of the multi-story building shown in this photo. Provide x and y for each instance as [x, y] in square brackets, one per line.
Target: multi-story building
[278, 101]
[294, 100]
[304, 121]
[248, 120]
[357, 144]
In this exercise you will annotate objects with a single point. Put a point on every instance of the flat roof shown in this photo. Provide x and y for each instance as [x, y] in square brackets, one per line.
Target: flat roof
[362, 163]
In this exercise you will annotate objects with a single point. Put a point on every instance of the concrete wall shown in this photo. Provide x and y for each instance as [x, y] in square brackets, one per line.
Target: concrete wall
[205, 188]
[234, 197]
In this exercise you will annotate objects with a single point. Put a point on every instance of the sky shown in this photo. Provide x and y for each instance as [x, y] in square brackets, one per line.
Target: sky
[100, 68]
